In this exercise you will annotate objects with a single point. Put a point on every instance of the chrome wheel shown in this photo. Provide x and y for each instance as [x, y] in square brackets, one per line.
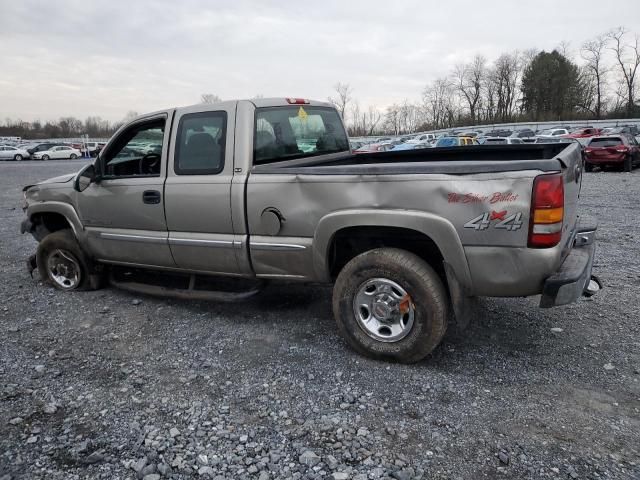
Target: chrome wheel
[64, 269]
[384, 310]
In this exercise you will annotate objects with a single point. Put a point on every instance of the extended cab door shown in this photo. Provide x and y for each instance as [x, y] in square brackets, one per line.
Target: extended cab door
[123, 213]
[198, 189]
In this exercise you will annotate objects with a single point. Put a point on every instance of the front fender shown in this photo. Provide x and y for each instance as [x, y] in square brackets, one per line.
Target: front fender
[61, 208]
[439, 229]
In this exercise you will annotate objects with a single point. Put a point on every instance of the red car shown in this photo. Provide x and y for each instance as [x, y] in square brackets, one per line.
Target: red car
[584, 133]
[374, 147]
[621, 151]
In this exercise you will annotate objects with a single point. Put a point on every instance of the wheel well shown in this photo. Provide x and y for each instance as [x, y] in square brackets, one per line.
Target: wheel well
[46, 223]
[352, 241]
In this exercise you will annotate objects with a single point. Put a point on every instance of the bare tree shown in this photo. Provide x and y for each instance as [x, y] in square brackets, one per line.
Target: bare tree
[209, 98]
[506, 78]
[468, 81]
[592, 52]
[439, 105]
[628, 58]
[342, 98]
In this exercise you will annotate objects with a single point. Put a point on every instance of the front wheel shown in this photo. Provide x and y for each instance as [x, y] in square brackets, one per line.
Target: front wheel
[45, 157]
[73, 156]
[390, 304]
[62, 263]
[18, 157]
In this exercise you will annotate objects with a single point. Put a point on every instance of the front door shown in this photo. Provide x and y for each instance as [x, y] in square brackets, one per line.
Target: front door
[198, 190]
[124, 211]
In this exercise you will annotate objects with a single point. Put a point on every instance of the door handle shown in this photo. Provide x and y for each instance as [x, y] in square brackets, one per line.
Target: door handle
[151, 196]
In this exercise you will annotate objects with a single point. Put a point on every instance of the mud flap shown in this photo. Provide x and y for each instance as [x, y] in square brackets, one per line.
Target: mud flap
[462, 304]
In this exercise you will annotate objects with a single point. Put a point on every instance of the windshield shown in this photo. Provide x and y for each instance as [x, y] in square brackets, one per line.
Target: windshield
[447, 142]
[495, 140]
[285, 133]
[606, 142]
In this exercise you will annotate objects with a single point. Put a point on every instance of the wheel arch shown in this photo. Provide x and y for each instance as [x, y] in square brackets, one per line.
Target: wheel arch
[428, 235]
[49, 217]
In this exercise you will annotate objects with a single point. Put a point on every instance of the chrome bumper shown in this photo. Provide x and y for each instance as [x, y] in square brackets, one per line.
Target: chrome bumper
[573, 279]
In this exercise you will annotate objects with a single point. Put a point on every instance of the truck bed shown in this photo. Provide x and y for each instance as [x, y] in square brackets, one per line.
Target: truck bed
[447, 160]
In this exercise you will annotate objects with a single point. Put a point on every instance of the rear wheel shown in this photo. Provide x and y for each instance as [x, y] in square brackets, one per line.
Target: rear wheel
[588, 167]
[18, 157]
[45, 157]
[628, 164]
[390, 304]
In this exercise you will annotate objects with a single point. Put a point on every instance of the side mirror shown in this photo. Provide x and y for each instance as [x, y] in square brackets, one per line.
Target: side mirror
[84, 178]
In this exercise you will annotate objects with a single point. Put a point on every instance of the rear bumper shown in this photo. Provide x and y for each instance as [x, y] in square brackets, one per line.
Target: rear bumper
[605, 160]
[572, 280]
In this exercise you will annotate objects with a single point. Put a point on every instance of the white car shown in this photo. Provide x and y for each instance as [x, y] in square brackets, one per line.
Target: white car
[13, 153]
[55, 153]
[422, 138]
[552, 132]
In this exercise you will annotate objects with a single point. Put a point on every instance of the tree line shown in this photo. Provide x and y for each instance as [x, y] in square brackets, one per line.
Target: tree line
[597, 82]
[64, 127]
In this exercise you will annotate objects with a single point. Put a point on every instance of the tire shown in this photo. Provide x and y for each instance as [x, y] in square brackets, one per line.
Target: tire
[73, 156]
[628, 164]
[60, 257]
[588, 167]
[45, 158]
[425, 321]
[18, 157]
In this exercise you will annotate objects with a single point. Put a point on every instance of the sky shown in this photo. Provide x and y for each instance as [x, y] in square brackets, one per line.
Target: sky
[106, 58]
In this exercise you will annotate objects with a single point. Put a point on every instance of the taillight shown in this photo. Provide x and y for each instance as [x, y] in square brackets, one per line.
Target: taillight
[621, 149]
[588, 150]
[297, 101]
[547, 211]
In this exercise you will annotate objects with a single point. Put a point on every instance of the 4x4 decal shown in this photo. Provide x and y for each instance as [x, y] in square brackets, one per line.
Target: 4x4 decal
[506, 221]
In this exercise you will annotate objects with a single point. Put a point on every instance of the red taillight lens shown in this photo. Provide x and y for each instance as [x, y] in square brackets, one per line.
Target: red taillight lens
[297, 101]
[547, 211]
[621, 149]
[588, 150]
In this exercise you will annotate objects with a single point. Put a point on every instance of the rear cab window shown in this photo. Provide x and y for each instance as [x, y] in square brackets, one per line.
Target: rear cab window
[297, 131]
[200, 143]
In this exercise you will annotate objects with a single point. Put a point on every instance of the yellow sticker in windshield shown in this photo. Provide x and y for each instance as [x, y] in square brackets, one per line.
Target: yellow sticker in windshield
[302, 115]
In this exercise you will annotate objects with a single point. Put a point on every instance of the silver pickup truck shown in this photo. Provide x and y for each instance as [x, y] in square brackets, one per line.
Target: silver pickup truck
[268, 189]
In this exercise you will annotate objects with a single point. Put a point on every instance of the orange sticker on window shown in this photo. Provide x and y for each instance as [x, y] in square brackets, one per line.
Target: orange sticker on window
[302, 115]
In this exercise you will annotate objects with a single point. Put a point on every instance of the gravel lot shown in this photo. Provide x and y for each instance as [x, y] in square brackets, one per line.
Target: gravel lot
[109, 385]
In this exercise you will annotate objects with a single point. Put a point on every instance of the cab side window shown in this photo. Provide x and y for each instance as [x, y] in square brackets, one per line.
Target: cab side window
[133, 154]
[200, 143]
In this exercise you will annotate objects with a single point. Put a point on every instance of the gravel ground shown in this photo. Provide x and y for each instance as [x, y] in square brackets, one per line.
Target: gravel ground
[109, 385]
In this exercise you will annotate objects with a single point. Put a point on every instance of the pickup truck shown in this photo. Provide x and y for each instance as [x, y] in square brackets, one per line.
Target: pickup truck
[268, 189]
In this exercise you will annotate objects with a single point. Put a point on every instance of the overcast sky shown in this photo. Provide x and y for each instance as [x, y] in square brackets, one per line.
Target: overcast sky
[83, 58]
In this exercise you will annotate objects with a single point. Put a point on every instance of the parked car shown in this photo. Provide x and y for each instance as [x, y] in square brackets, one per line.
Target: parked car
[499, 133]
[621, 151]
[523, 133]
[555, 140]
[41, 147]
[13, 153]
[454, 142]
[423, 137]
[374, 147]
[404, 146]
[56, 153]
[552, 132]
[406, 238]
[502, 141]
[583, 133]
[625, 129]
